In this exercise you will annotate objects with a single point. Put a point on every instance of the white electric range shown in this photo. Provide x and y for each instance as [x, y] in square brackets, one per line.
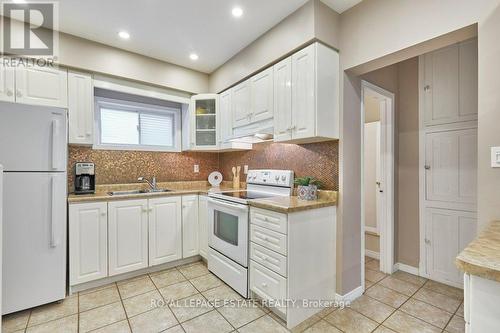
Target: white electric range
[228, 224]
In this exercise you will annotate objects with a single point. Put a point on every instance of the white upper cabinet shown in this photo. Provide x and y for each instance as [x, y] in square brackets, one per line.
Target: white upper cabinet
[128, 235]
[88, 242]
[165, 230]
[80, 105]
[190, 228]
[450, 84]
[314, 111]
[240, 104]
[261, 92]
[225, 117]
[283, 100]
[42, 86]
[203, 124]
[7, 85]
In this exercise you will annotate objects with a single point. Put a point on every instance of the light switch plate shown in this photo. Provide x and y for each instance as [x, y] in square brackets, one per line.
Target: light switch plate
[245, 169]
[196, 168]
[495, 157]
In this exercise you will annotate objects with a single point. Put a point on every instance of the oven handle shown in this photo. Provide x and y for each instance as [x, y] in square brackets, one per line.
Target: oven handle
[227, 204]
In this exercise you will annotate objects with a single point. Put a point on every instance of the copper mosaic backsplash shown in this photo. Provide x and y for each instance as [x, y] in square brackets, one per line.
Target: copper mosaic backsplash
[120, 166]
[319, 160]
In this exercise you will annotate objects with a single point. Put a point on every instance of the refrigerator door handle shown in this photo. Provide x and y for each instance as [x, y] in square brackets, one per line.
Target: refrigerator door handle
[55, 141]
[54, 239]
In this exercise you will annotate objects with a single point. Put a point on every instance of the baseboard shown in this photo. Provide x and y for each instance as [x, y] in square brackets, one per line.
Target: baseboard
[350, 296]
[406, 268]
[372, 254]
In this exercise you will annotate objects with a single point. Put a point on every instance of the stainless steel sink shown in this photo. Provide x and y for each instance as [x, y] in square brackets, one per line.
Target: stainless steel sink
[130, 192]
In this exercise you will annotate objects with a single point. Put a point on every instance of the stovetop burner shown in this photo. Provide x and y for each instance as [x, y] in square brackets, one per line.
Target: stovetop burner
[247, 195]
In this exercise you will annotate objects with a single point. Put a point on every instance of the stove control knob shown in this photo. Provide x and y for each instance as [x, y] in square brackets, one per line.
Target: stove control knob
[283, 178]
[277, 178]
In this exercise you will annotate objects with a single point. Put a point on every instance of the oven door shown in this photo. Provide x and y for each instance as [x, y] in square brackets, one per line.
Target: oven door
[228, 229]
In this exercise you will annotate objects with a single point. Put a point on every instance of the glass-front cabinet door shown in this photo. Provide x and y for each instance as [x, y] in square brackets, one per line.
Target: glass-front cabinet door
[204, 122]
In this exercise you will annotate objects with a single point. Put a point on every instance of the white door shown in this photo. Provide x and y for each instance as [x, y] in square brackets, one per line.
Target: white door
[81, 108]
[42, 86]
[225, 117]
[128, 235]
[32, 138]
[190, 229]
[447, 232]
[451, 166]
[241, 104]
[262, 103]
[34, 242]
[165, 230]
[7, 83]
[88, 242]
[303, 93]
[283, 100]
[203, 225]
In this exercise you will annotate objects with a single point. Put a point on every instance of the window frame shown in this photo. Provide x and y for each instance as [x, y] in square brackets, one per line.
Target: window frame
[104, 102]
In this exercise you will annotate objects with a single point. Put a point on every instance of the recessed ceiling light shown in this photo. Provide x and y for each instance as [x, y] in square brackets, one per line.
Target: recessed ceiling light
[237, 11]
[193, 56]
[124, 35]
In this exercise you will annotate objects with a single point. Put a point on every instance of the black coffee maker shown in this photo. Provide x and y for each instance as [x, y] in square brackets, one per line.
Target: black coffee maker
[84, 178]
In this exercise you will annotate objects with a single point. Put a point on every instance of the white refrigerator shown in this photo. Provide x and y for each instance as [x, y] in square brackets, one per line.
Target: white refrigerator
[33, 152]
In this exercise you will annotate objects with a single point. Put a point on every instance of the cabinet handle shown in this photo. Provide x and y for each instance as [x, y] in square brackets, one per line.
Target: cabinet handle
[9, 92]
[145, 210]
[150, 210]
[427, 87]
[88, 134]
[264, 285]
[427, 167]
[103, 214]
[427, 241]
[19, 93]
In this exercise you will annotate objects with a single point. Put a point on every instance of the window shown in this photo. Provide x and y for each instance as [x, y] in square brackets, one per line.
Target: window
[129, 125]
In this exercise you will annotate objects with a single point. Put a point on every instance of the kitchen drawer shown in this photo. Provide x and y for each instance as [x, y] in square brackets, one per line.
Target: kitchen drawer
[269, 259]
[269, 219]
[269, 239]
[267, 284]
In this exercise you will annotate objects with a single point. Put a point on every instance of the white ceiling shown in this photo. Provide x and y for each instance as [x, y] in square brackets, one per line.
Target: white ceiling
[341, 5]
[170, 30]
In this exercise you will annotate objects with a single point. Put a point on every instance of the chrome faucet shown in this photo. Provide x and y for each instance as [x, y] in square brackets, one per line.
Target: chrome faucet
[152, 184]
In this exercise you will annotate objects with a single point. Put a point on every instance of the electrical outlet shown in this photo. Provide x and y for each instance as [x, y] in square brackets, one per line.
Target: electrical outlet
[196, 168]
[245, 169]
[495, 157]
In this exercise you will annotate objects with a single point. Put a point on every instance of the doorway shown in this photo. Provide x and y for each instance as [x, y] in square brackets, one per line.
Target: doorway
[377, 174]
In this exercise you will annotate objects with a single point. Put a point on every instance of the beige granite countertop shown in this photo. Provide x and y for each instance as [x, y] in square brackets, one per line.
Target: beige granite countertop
[177, 188]
[482, 256]
[294, 204]
[278, 204]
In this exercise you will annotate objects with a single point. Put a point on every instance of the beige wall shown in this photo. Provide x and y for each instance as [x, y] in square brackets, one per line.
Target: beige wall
[313, 20]
[372, 242]
[372, 33]
[95, 57]
[407, 227]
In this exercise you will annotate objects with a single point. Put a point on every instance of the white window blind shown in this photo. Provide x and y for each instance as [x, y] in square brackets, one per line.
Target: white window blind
[136, 126]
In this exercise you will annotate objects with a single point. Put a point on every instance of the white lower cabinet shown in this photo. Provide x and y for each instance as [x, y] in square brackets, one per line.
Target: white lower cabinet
[165, 228]
[190, 229]
[203, 225]
[112, 238]
[292, 257]
[88, 242]
[128, 236]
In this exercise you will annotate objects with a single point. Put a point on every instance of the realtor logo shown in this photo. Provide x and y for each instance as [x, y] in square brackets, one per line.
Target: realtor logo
[29, 29]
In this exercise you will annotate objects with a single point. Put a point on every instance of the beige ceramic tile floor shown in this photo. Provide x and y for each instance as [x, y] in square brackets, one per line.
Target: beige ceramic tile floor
[400, 303]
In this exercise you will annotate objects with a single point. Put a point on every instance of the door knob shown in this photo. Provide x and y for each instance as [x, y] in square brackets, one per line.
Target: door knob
[9, 93]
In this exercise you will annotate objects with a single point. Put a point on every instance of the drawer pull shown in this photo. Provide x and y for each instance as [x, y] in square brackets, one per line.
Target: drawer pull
[264, 285]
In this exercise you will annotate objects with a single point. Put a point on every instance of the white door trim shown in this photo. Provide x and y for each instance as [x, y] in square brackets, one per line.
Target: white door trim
[387, 150]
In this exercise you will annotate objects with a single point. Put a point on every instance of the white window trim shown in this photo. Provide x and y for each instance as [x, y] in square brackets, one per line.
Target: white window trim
[138, 107]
